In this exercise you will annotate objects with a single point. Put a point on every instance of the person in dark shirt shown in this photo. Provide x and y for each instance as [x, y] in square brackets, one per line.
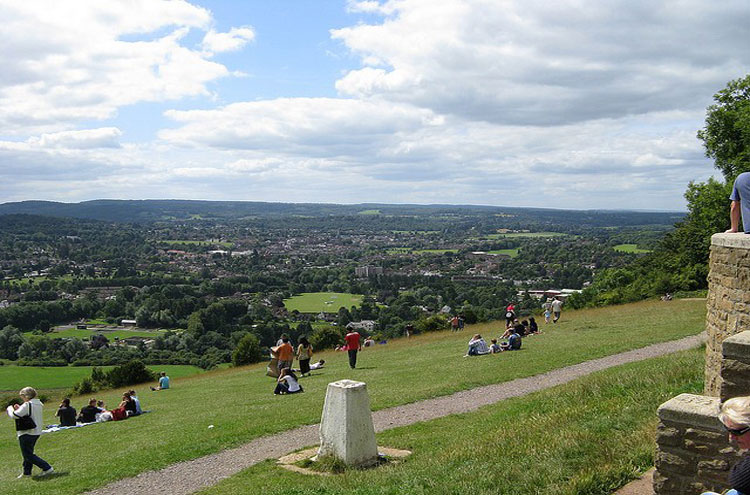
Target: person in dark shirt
[88, 413]
[66, 413]
[735, 416]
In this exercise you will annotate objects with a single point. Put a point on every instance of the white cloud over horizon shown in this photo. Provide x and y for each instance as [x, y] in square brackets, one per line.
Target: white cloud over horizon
[575, 104]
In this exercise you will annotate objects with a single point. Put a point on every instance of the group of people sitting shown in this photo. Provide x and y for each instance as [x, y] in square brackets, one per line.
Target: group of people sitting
[511, 338]
[96, 412]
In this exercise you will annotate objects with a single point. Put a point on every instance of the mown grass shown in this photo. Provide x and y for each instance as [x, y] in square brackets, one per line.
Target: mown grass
[630, 248]
[14, 378]
[240, 403]
[590, 436]
[434, 251]
[315, 302]
[110, 334]
[509, 252]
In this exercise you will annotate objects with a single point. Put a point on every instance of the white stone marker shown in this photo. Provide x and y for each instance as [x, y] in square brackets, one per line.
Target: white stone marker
[346, 430]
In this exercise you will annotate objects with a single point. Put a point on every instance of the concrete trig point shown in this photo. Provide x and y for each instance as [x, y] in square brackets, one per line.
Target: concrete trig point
[346, 429]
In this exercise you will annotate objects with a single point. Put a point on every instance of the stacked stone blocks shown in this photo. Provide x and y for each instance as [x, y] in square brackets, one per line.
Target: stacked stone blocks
[728, 305]
[693, 454]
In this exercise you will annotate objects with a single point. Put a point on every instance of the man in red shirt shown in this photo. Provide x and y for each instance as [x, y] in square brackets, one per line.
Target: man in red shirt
[353, 345]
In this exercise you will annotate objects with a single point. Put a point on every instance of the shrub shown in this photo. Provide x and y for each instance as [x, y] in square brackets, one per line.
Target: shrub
[326, 337]
[247, 351]
[431, 324]
[132, 373]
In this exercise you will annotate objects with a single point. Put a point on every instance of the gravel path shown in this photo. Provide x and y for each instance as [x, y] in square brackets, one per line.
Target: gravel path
[190, 476]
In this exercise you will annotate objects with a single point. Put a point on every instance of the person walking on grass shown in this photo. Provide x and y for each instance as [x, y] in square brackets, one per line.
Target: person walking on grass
[304, 353]
[353, 345]
[29, 420]
[547, 307]
[556, 309]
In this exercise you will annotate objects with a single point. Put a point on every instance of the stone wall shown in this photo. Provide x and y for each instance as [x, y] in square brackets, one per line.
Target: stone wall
[728, 300]
[693, 454]
[735, 366]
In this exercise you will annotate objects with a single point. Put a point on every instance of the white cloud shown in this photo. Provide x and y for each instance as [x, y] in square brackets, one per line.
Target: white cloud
[67, 62]
[542, 63]
[230, 41]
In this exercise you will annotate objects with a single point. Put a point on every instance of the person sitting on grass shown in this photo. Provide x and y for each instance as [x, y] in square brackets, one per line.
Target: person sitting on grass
[477, 346]
[287, 383]
[137, 402]
[514, 341]
[494, 348]
[66, 413]
[88, 413]
[533, 327]
[735, 417]
[163, 382]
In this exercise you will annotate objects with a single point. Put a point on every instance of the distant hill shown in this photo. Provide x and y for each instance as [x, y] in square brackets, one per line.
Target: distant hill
[147, 211]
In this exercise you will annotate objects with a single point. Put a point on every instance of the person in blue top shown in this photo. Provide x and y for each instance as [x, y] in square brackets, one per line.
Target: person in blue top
[163, 382]
[740, 204]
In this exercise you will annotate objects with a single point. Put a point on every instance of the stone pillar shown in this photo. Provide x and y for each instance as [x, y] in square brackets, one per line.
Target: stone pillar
[735, 366]
[693, 454]
[728, 300]
[346, 429]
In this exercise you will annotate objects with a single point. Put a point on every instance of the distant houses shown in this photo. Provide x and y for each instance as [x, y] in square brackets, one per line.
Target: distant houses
[368, 271]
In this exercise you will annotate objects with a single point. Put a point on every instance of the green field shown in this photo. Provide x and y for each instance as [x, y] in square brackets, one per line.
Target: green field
[509, 252]
[178, 242]
[110, 334]
[516, 235]
[630, 248]
[590, 436]
[403, 371]
[398, 250]
[369, 212]
[315, 302]
[434, 251]
[14, 378]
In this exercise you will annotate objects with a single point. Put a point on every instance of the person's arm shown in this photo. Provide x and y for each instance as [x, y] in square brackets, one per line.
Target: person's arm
[734, 217]
[20, 411]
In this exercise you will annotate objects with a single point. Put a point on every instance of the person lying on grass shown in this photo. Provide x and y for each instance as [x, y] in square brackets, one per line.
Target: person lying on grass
[477, 346]
[314, 366]
[287, 383]
[735, 416]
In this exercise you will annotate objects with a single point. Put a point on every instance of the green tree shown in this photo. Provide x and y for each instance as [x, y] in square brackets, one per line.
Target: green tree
[726, 135]
[247, 351]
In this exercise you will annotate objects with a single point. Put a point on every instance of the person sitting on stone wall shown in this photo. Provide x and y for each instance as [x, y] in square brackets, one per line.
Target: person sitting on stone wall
[735, 416]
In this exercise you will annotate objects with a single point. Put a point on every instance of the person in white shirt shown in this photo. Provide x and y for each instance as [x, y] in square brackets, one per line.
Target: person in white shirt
[556, 309]
[318, 365]
[477, 346]
[28, 435]
[287, 383]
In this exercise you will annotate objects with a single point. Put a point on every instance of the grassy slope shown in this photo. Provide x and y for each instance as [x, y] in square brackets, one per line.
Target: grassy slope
[400, 372]
[14, 378]
[547, 442]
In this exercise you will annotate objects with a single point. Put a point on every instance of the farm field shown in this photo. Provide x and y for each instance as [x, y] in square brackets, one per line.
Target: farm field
[315, 302]
[110, 334]
[14, 378]
[509, 252]
[630, 248]
[434, 251]
[177, 242]
[589, 436]
[395, 374]
[518, 235]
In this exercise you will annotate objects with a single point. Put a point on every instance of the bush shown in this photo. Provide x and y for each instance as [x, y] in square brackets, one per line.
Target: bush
[85, 386]
[432, 324]
[326, 337]
[247, 351]
[132, 373]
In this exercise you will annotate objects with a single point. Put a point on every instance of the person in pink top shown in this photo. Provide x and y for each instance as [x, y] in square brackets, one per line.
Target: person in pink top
[353, 345]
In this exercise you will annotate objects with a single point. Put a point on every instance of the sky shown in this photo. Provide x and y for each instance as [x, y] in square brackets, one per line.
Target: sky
[578, 104]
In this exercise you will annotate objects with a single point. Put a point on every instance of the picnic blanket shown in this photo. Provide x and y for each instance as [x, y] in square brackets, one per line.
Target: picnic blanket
[54, 428]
